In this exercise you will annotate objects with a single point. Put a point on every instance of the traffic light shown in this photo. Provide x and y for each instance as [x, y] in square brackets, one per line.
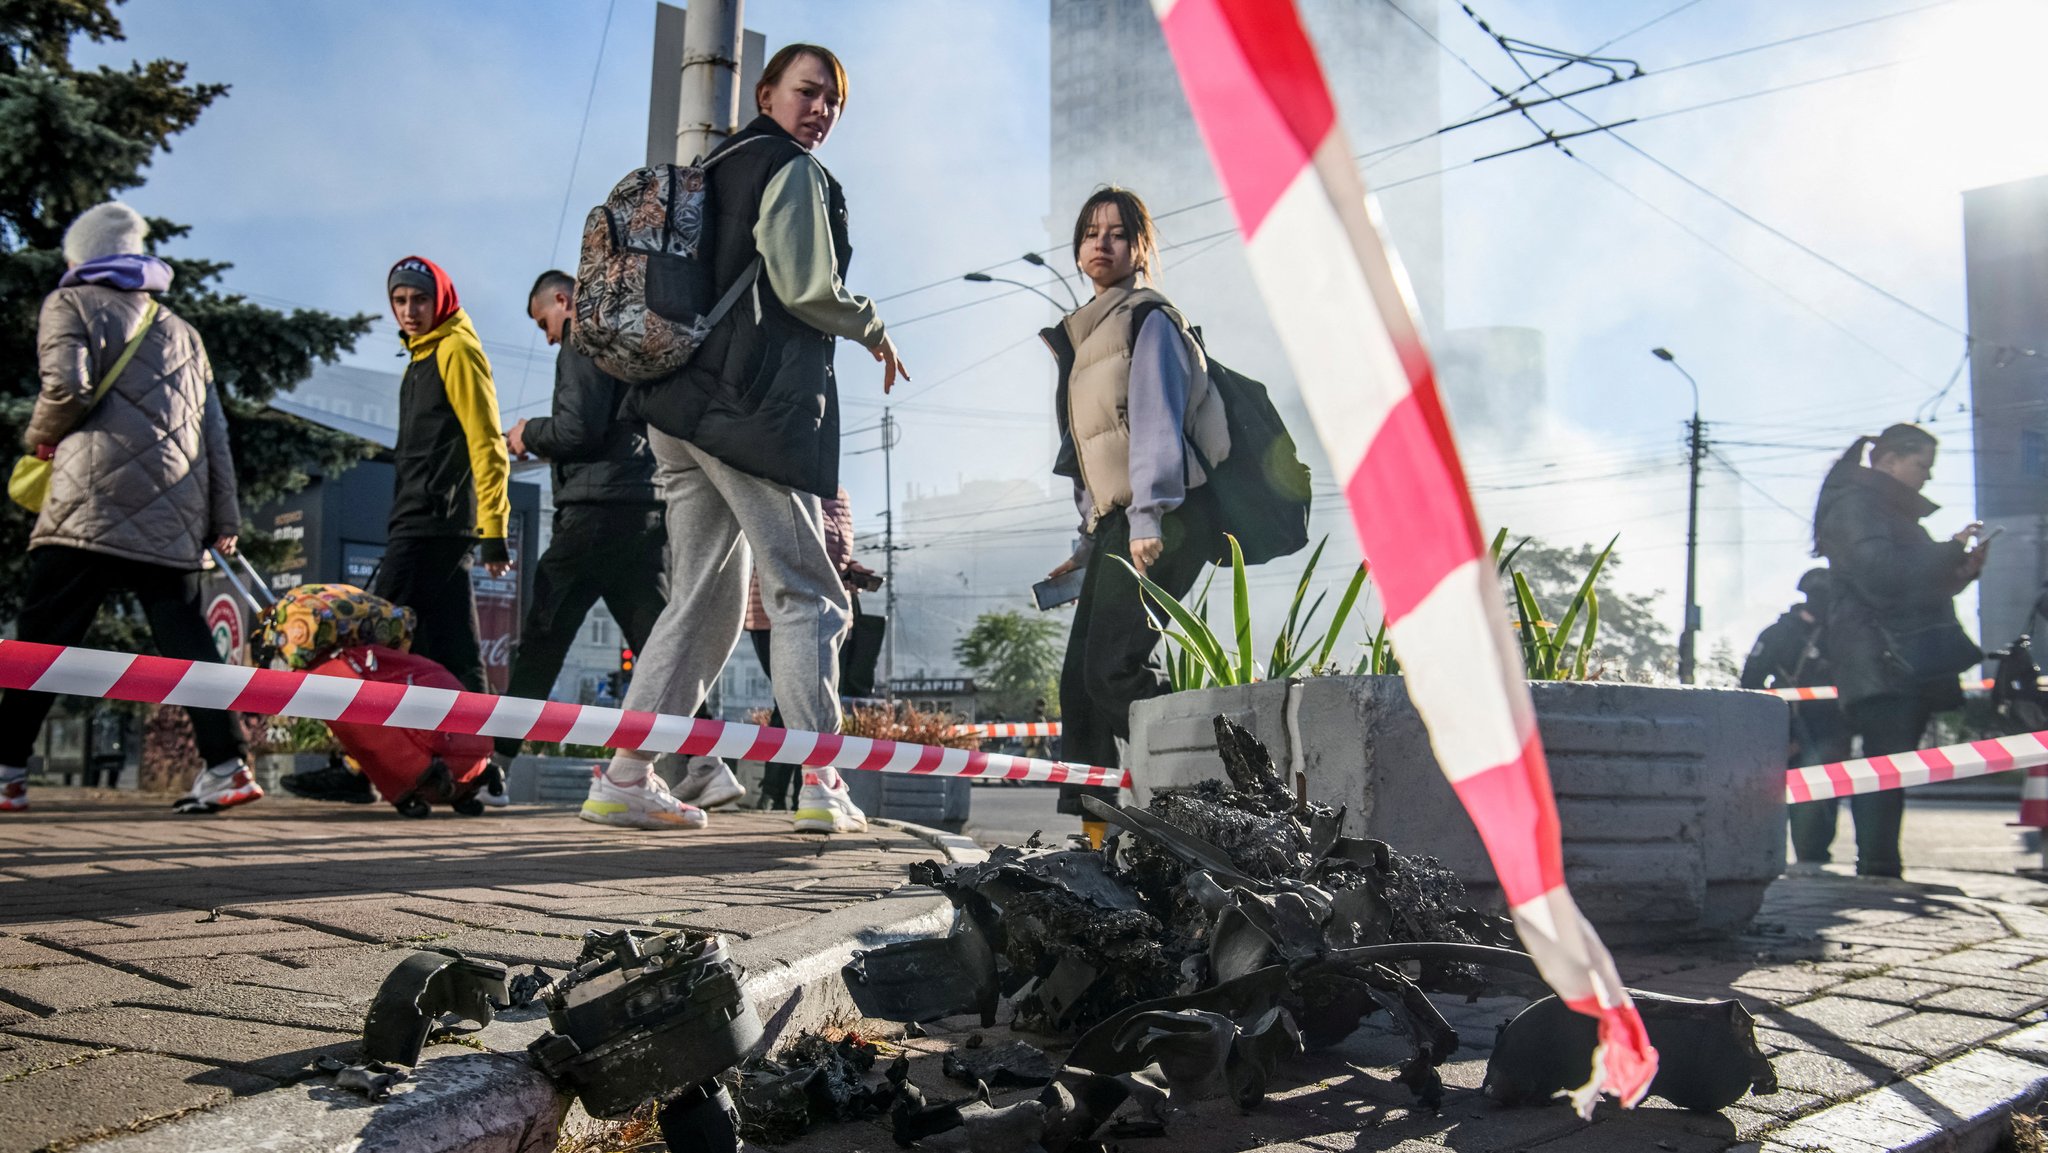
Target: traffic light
[626, 661]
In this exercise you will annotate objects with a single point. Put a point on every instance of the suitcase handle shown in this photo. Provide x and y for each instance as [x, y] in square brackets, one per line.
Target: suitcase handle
[259, 601]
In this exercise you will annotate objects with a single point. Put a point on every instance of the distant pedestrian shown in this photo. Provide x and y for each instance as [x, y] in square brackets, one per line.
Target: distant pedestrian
[1792, 653]
[142, 481]
[450, 491]
[779, 783]
[1892, 633]
[608, 541]
[746, 445]
[1137, 415]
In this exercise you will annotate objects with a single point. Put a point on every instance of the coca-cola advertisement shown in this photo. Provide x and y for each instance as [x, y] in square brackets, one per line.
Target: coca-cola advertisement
[497, 609]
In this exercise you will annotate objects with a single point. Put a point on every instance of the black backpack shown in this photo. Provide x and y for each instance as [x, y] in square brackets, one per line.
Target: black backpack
[1261, 489]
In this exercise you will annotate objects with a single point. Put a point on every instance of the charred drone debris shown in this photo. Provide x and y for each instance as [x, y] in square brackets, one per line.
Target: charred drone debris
[1223, 927]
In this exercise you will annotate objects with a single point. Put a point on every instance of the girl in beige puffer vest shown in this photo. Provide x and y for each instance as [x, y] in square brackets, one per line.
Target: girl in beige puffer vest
[1138, 418]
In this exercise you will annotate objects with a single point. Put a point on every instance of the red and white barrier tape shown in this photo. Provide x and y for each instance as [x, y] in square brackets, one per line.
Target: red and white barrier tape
[1920, 767]
[1830, 692]
[271, 692]
[1341, 306]
[999, 730]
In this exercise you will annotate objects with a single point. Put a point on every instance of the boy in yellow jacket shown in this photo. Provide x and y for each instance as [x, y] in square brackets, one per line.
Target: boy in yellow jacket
[450, 489]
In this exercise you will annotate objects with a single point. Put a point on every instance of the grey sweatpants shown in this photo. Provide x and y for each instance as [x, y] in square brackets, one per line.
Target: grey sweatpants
[719, 521]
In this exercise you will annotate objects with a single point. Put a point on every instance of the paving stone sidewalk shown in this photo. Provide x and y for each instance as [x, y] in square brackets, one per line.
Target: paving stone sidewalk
[153, 965]
[1897, 1016]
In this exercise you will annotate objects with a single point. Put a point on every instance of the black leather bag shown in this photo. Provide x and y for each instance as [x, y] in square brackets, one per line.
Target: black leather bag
[1931, 652]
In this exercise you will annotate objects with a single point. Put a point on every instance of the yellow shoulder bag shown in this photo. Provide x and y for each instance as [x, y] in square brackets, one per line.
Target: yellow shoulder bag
[30, 484]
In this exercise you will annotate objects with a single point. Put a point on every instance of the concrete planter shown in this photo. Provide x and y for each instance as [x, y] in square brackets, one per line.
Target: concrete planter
[938, 802]
[1671, 801]
[269, 767]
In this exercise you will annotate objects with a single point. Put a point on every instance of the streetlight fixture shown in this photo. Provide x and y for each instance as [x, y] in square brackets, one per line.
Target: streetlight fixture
[985, 278]
[1696, 444]
[1037, 261]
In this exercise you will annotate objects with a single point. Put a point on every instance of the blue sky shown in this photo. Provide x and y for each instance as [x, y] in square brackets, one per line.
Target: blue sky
[357, 133]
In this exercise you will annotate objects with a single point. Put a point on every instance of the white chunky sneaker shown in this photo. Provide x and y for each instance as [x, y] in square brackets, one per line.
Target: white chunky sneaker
[222, 786]
[708, 783]
[13, 790]
[646, 805]
[492, 792]
[827, 810]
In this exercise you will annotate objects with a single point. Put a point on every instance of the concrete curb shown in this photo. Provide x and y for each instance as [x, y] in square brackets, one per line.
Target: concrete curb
[1958, 1106]
[461, 1100]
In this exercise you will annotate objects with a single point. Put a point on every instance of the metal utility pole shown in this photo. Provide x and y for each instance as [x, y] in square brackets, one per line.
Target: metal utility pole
[1696, 446]
[889, 556]
[710, 106]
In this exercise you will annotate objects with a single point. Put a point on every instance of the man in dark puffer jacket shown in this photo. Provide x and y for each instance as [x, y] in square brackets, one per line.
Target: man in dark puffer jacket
[608, 541]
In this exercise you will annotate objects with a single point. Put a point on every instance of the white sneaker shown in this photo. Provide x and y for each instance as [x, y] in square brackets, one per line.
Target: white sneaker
[708, 783]
[493, 791]
[220, 787]
[647, 805]
[13, 790]
[827, 810]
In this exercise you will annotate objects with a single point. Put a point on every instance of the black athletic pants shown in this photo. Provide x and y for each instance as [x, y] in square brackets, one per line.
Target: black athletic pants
[430, 576]
[1110, 664]
[66, 587]
[779, 783]
[612, 553]
[1888, 724]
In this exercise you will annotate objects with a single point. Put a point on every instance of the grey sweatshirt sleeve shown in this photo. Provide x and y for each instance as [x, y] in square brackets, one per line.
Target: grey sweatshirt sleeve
[794, 237]
[1158, 410]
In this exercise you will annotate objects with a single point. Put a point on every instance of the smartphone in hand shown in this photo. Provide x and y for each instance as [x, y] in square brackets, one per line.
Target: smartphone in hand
[1062, 589]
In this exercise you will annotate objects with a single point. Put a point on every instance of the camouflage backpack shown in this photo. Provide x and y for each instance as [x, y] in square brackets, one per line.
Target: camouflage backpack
[645, 297]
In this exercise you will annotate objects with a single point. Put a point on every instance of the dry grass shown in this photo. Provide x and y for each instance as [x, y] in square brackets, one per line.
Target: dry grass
[2023, 1134]
[636, 1134]
[907, 723]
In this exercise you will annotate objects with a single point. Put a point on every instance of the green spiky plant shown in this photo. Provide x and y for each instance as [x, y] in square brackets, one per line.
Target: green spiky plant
[1197, 657]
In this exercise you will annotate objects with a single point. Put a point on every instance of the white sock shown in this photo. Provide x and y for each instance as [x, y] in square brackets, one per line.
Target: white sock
[224, 769]
[628, 769]
[826, 776]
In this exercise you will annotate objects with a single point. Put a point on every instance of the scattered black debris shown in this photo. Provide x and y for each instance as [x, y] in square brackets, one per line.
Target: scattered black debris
[524, 989]
[812, 1081]
[424, 986]
[912, 1118]
[645, 1016]
[373, 1079]
[1707, 1055]
[700, 1120]
[1014, 1066]
[1219, 929]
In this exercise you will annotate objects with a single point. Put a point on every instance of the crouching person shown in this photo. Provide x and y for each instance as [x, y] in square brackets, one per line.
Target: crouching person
[141, 483]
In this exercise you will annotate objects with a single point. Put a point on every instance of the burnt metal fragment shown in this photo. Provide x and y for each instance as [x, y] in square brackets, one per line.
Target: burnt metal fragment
[645, 1016]
[424, 986]
[926, 980]
[700, 1120]
[1707, 1055]
[1017, 1065]
[813, 1080]
[373, 1079]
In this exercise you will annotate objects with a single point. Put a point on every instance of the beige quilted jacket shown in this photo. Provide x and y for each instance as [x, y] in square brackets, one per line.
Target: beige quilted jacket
[146, 474]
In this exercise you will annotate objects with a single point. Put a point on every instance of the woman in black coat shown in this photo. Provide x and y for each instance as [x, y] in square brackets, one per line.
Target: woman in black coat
[1892, 632]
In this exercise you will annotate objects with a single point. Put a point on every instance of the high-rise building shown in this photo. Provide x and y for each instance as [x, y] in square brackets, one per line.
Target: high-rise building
[1119, 117]
[2005, 260]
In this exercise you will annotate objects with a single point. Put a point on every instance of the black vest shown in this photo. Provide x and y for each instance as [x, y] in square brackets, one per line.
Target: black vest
[759, 394]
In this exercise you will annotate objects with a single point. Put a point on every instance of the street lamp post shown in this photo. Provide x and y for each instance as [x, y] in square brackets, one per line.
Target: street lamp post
[1037, 261]
[1696, 445]
[985, 278]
